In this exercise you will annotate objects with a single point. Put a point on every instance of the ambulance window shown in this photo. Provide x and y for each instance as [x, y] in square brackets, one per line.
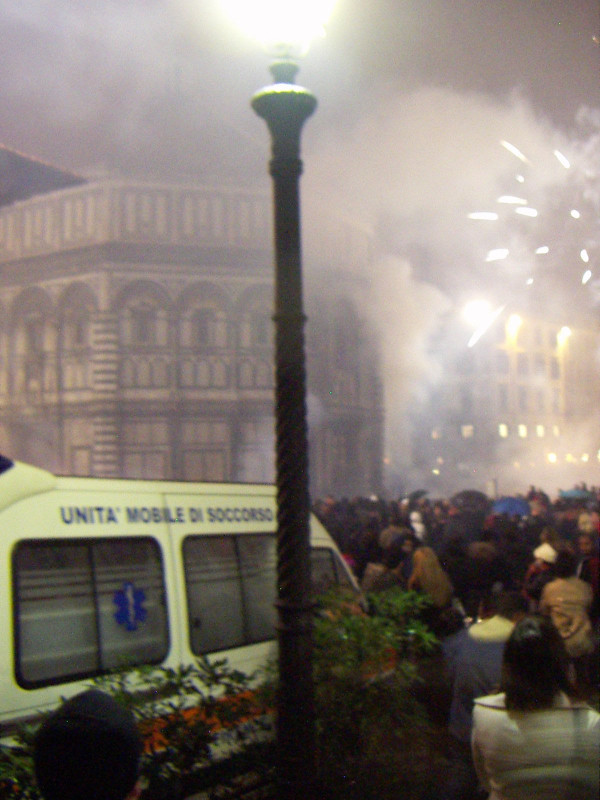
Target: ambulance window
[258, 560]
[214, 593]
[230, 582]
[85, 607]
[326, 570]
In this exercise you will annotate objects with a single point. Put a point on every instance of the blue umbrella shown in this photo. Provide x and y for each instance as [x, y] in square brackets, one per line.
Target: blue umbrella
[513, 506]
[577, 494]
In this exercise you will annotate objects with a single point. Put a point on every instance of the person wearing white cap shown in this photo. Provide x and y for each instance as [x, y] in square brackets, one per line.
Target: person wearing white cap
[539, 572]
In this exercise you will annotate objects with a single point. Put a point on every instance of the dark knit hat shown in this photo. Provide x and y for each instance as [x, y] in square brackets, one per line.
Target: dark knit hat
[89, 749]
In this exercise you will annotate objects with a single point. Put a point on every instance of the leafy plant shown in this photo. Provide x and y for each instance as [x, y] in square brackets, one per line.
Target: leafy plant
[16, 766]
[200, 723]
[209, 727]
[374, 736]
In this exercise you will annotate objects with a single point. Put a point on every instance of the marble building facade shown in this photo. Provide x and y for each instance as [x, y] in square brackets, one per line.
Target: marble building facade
[136, 340]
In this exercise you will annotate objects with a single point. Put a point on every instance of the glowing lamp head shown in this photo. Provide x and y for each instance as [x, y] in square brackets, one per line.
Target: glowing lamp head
[285, 28]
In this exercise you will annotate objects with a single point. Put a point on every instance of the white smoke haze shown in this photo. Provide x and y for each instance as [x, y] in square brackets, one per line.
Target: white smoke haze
[432, 149]
[406, 313]
[150, 88]
[413, 169]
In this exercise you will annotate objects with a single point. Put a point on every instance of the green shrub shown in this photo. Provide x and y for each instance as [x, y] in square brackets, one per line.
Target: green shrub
[201, 724]
[206, 725]
[374, 736]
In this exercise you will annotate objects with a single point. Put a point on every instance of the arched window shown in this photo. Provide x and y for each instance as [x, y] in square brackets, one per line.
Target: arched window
[203, 319]
[143, 317]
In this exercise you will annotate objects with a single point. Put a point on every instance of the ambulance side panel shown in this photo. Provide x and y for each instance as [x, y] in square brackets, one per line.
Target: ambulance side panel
[103, 574]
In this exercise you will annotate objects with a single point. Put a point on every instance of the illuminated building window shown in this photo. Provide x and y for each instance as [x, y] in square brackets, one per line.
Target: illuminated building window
[512, 327]
[552, 458]
[502, 430]
[522, 431]
[540, 431]
[556, 431]
[436, 433]
[467, 431]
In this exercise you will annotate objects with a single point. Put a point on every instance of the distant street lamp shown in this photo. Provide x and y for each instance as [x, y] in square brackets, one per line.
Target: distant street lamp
[285, 107]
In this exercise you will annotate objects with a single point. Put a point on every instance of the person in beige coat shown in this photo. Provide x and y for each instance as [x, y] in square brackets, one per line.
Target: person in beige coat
[567, 601]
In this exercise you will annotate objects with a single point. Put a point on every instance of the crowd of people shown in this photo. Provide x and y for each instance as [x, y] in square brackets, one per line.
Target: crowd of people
[515, 602]
[463, 540]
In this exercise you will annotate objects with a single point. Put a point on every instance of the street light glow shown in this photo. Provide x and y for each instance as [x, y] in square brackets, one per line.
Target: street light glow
[563, 336]
[476, 312]
[512, 327]
[485, 322]
[284, 27]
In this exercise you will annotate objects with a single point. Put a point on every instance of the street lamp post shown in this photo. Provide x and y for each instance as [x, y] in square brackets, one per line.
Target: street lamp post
[287, 26]
[285, 107]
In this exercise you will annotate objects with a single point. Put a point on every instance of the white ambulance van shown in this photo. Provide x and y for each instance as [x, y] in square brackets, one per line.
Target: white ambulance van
[102, 574]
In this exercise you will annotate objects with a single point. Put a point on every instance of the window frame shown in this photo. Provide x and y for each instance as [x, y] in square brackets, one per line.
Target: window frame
[87, 545]
[338, 578]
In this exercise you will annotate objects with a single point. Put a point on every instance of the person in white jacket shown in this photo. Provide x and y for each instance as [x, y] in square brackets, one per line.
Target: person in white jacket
[535, 741]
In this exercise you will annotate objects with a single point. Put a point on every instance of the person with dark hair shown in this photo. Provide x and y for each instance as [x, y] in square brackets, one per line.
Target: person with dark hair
[535, 741]
[89, 749]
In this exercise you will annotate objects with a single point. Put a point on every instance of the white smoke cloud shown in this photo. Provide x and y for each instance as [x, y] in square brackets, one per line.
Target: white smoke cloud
[406, 314]
[412, 170]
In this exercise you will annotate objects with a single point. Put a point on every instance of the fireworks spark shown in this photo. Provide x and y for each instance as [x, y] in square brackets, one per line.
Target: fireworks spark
[563, 222]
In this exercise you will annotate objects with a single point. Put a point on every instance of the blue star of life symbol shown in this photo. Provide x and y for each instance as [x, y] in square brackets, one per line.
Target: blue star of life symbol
[130, 606]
